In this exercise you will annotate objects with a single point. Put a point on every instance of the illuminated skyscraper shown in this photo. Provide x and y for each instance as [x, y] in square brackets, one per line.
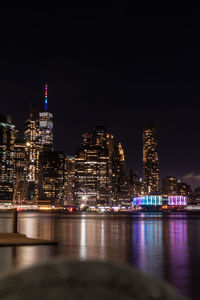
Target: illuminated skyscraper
[69, 179]
[45, 126]
[150, 158]
[120, 184]
[100, 171]
[7, 139]
[31, 125]
[92, 176]
[99, 136]
[110, 144]
[32, 150]
[20, 175]
[51, 177]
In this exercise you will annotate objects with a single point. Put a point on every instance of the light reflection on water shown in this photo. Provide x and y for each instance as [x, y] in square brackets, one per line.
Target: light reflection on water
[167, 247]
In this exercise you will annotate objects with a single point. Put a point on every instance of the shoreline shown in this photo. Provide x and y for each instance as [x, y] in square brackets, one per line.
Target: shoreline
[105, 213]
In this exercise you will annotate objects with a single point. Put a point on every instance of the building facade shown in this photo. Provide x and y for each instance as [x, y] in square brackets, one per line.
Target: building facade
[32, 152]
[51, 178]
[197, 195]
[170, 185]
[20, 175]
[137, 185]
[7, 139]
[120, 183]
[45, 130]
[185, 189]
[150, 158]
[45, 126]
[69, 180]
[92, 174]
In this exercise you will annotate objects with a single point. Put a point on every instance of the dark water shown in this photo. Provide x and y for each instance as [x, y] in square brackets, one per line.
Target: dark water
[165, 246]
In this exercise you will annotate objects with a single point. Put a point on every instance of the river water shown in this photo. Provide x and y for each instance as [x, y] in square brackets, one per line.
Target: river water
[164, 246]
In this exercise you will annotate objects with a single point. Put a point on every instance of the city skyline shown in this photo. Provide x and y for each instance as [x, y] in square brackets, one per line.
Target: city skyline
[109, 65]
[99, 148]
[47, 116]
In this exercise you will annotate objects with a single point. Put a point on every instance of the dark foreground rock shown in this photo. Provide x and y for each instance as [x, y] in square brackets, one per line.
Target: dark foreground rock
[62, 279]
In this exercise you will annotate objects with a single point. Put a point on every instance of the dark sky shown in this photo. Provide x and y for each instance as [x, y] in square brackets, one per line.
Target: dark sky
[107, 63]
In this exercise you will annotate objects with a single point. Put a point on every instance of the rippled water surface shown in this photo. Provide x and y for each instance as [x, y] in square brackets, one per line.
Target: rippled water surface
[165, 246]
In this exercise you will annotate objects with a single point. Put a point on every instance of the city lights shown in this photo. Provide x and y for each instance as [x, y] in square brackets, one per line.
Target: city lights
[160, 201]
[95, 178]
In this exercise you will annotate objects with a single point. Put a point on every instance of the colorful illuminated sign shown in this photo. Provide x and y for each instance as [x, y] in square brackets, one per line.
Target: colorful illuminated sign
[177, 200]
[147, 200]
[160, 200]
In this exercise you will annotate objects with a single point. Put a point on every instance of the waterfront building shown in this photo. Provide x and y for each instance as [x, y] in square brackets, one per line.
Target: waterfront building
[153, 201]
[184, 189]
[110, 148]
[51, 177]
[32, 151]
[147, 200]
[120, 183]
[7, 139]
[137, 185]
[92, 174]
[197, 195]
[20, 175]
[150, 158]
[45, 126]
[100, 177]
[69, 180]
[170, 185]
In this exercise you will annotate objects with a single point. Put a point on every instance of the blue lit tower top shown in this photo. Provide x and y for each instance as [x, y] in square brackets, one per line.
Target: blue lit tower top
[46, 90]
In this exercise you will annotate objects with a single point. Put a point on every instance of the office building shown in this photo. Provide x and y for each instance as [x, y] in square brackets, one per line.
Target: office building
[20, 175]
[184, 189]
[45, 126]
[32, 151]
[150, 158]
[7, 139]
[69, 180]
[92, 174]
[51, 178]
[120, 183]
[169, 185]
[137, 185]
[197, 195]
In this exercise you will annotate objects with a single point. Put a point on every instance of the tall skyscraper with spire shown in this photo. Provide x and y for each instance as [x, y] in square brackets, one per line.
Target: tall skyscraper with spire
[150, 158]
[45, 130]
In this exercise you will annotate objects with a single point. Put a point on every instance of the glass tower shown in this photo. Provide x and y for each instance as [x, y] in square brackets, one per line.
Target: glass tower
[45, 129]
[150, 158]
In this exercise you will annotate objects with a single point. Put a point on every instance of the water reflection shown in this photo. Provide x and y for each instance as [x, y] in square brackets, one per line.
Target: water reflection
[83, 239]
[166, 247]
[147, 244]
[178, 247]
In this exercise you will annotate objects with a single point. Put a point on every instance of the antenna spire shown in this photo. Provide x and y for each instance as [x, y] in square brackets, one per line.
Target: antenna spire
[46, 90]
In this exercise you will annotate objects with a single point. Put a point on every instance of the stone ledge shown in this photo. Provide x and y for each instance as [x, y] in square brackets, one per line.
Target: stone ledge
[17, 239]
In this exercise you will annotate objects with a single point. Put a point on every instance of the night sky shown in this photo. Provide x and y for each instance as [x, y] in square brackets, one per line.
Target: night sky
[107, 63]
